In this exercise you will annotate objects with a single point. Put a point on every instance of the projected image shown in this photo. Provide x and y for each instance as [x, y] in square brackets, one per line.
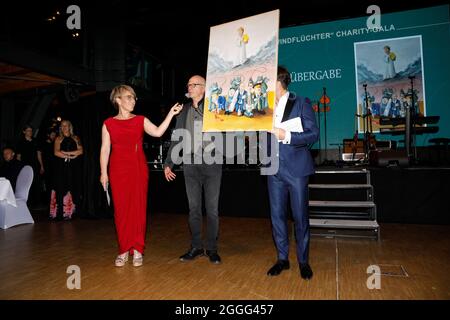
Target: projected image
[241, 74]
[386, 67]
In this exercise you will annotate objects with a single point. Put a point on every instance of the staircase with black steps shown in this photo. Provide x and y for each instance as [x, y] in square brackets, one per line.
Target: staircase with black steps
[342, 204]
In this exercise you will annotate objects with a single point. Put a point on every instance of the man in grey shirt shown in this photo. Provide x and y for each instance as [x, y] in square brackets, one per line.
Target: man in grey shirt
[197, 175]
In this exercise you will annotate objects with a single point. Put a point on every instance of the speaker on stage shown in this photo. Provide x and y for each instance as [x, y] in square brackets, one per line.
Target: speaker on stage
[384, 158]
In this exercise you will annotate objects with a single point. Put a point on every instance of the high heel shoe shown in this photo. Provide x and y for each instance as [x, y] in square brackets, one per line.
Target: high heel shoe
[121, 259]
[137, 259]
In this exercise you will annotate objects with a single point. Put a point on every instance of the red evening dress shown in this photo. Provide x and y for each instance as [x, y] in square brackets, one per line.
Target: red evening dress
[128, 175]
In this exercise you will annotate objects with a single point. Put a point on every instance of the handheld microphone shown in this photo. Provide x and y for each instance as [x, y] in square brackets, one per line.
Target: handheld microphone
[186, 98]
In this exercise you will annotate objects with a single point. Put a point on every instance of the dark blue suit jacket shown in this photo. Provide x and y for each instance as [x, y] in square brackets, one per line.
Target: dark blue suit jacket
[296, 156]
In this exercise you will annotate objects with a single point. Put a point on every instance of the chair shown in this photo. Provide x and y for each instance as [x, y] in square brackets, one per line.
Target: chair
[11, 216]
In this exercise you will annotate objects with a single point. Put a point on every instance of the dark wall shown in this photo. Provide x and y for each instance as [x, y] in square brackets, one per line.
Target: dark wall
[412, 195]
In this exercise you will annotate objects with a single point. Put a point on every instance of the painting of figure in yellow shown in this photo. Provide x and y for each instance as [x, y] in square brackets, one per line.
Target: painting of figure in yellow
[241, 74]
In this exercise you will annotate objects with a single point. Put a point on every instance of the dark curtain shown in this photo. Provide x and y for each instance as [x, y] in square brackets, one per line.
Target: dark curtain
[94, 111]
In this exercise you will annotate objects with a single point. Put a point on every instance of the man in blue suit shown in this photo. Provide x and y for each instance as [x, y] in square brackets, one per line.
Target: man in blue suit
[291, 180]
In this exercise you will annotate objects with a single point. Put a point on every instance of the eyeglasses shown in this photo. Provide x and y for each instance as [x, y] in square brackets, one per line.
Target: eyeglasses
[193, 85]
[129, 97]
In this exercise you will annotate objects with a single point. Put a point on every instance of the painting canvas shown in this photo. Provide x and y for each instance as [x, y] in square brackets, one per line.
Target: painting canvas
[387, 68]
[241, 74]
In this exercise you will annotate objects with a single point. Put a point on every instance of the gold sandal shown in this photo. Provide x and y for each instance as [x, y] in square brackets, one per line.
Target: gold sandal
[121, 259]
[137, 259]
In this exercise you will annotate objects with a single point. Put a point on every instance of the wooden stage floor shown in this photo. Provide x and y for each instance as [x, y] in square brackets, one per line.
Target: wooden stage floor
[414, 262]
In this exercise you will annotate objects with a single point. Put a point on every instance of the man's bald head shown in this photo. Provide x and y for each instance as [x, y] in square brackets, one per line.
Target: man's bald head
[197, 79]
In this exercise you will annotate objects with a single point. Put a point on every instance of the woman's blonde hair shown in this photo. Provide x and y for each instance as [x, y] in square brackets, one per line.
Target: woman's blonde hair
[61, 134]
[117, 91]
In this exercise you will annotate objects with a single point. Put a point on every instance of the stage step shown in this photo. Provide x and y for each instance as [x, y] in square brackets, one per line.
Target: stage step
[351, 224]
[345, 176]
[313, 214]
[362, 171]
[340, 186]
[342, 204]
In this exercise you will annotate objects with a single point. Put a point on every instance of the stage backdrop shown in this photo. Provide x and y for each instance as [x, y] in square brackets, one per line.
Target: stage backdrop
[343, 55]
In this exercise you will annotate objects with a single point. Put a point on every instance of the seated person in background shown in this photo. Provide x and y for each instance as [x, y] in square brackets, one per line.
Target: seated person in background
[10, 167]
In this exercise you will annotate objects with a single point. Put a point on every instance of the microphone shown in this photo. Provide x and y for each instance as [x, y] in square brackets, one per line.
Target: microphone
[186, 98]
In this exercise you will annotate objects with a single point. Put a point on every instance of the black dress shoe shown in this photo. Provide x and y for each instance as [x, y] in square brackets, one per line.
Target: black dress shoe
[306, 271]
[192, 254]
[213, 256]
[278, 267]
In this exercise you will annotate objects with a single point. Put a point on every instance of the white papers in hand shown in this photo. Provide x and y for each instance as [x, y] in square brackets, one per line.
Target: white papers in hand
[107, 195]
[292, 125]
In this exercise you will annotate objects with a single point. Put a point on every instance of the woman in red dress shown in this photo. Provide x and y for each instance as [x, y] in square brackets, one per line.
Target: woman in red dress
[128, 172]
